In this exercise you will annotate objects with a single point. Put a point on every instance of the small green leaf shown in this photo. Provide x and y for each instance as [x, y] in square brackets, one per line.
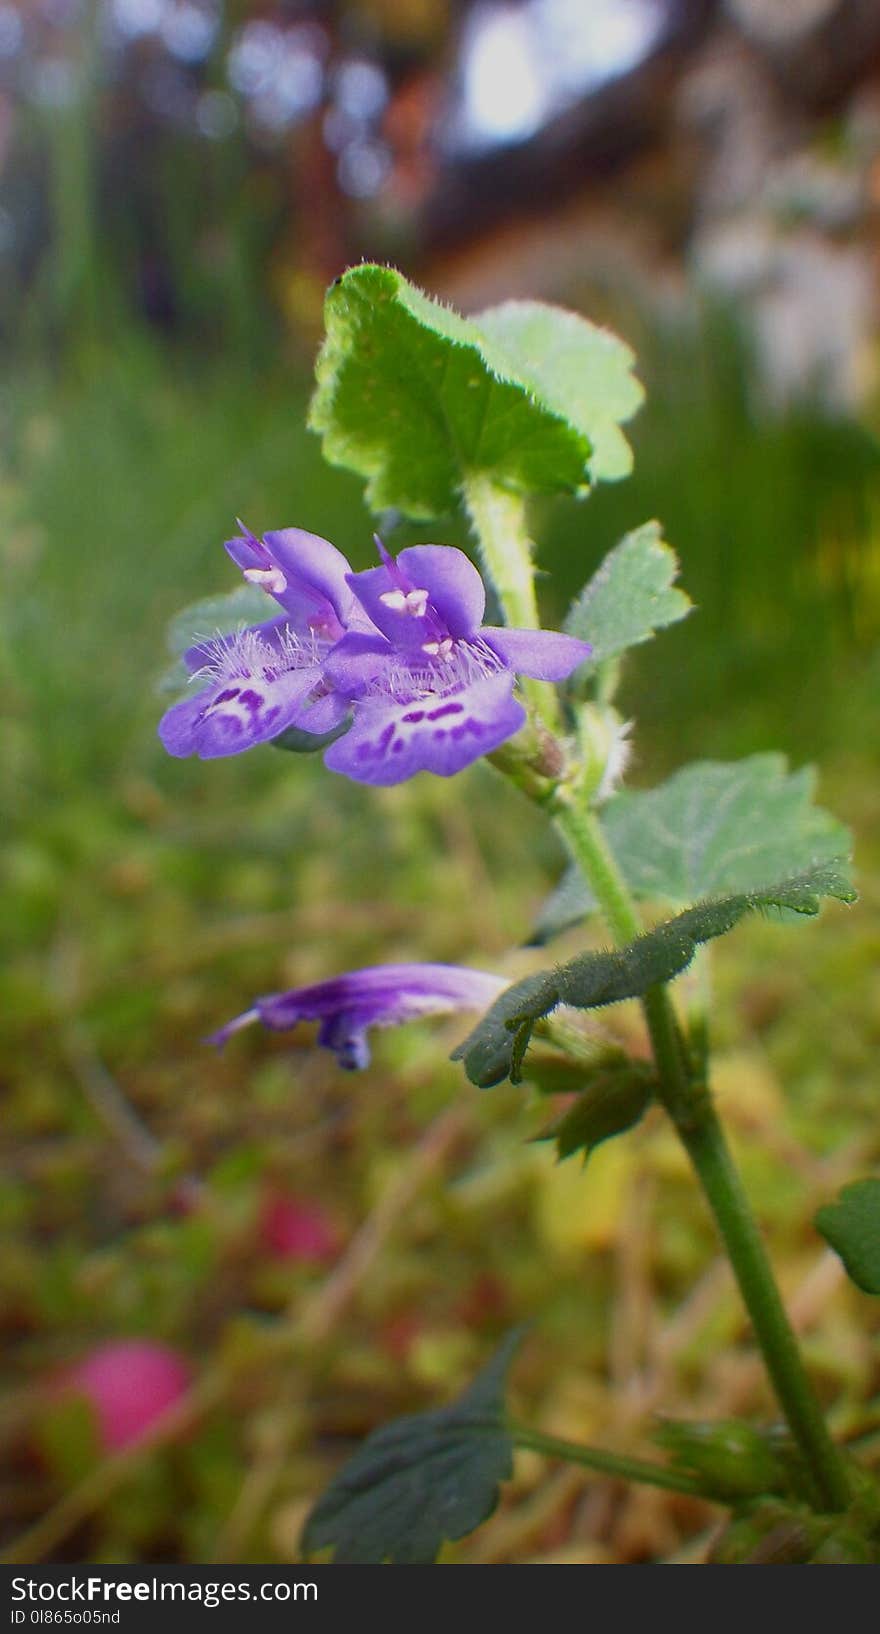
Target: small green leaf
[298, 742]
[581, 371]
[415, 398]
[496, 1048]
[570, 901]
[616, 1099]
[851, 1226]
[218, 615]
[714, 826]
[551, 1072]
[420, 1481]
[630, 595]
[735, 1460]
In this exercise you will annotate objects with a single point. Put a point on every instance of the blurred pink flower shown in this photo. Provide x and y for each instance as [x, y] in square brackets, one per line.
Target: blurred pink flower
[130, 1383]
[294, 1228]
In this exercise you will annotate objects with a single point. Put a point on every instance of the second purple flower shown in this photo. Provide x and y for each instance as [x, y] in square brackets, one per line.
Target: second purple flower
[400, 647]
[432, 688]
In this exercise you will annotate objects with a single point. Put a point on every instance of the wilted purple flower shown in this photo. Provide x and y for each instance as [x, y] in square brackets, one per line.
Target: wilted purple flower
[258, 682]
[378, 996]
[432, 688]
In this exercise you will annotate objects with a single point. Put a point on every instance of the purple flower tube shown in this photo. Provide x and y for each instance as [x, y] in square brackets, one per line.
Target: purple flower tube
[377, 996]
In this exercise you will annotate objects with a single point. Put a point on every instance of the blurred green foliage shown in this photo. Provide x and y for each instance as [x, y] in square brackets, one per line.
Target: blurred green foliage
[144, 901]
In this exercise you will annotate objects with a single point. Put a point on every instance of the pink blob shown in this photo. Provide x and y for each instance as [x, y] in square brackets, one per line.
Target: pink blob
[130, 1384]
[293, 1228]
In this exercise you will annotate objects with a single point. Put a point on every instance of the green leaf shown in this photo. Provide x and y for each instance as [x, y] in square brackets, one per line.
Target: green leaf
[570, 901]
[581, 371]
[420, 1481]
[218, 615]
[735, 1460]
[630, 595]
[553, 1072]
[496, 1048]
[714, 826]
[415, 398]
[851, 1226]
[298, 742]
[615, 1100]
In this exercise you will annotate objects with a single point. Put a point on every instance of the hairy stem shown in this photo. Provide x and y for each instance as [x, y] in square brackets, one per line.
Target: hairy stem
[607, 1463]
[498, 522]
[689, 1105]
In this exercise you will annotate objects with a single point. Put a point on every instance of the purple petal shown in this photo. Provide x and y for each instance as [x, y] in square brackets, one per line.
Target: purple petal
[546, 655]
[305, 574]
[409, 624]
[378, 996]
[441, 733]
[208, 650]
[234, 714]
[455, 589]
[358, 662]
[312, 561]
[324, 713]
[431, 593]
[248, 552]
[346, 1035]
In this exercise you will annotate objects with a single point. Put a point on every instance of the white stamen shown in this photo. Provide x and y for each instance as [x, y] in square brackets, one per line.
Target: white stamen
[267, 578]
[465, 662]
[437, 649]
[413, 602]
[247, 654]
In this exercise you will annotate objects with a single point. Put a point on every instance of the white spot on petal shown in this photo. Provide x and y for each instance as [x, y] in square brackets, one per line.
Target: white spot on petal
[414, 602]
[267, 578]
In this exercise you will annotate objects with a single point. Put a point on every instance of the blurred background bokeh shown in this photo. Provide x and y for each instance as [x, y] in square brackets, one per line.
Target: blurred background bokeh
[179, 180]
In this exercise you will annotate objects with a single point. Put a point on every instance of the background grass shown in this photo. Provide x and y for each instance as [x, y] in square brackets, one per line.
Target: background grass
[145, 901]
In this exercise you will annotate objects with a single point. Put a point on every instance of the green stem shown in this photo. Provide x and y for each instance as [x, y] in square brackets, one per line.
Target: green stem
[607, 1463]
[498, 521]
[689, 1105]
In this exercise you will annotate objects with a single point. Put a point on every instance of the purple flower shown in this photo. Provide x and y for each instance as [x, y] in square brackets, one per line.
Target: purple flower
[432, 688]
[258, 682]
[308, 577]
[378, 996]
[401, 647]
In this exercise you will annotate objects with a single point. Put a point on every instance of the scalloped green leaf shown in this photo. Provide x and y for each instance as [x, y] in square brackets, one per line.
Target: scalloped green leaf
[415, 398]
[851, 1226]
[496, 1048]
[713, 826]
[420, 1481]
[580, 370]
[630, 596]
